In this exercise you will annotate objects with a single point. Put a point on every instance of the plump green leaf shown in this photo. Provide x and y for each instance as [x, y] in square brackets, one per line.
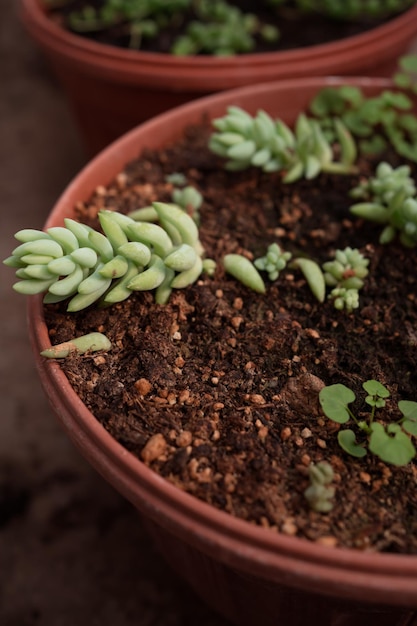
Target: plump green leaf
[314, 277]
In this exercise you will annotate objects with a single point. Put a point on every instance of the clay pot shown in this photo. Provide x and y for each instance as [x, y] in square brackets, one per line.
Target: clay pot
[249, 574]
[111, 90]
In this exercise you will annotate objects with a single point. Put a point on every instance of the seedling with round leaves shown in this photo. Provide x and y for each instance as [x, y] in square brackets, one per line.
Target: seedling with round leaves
[390, 442]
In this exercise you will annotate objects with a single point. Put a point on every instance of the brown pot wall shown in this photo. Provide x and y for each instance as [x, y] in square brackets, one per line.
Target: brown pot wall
[111, 90]
[250, 574]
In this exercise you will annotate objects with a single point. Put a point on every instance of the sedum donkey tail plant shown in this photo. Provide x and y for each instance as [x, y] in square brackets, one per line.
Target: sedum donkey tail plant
[260, 141]
[79, 263]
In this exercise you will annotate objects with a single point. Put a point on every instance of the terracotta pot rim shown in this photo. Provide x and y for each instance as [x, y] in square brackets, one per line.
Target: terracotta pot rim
[402, 25]
[338, 568]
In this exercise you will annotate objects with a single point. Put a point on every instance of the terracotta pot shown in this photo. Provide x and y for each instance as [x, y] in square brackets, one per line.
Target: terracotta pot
[251, 575]
[111, 90]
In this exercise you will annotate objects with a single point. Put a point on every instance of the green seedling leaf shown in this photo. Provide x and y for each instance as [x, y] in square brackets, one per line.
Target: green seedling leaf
[391, 445]
[347, 441]
[376, 393]
[375, 388]
[334, 401]
[409, 410]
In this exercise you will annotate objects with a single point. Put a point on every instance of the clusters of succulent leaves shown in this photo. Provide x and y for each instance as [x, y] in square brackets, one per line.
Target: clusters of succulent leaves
[344, 274]
[351, 9]
[390, 442]
[270, 144]
[216, 26]
[376, 122]
[319, 494]
[389, 199]
[78, 262]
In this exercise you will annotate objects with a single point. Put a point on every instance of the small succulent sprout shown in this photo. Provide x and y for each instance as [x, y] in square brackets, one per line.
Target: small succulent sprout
[348, 269]
[318, 494]
[391, 442]
[395, 207]
[244, 271]
[209, 266]
[345, 274]
[92, 342]
[176, 178]
[86, 266]
[189, 199]
[274, 261]
[344, 299]
[385, 184]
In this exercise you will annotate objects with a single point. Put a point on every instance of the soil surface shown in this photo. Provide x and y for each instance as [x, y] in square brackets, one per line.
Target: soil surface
[297, 30]
[218, 390]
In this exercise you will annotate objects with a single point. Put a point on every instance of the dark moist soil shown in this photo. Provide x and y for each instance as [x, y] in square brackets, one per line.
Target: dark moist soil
[218, 390]
[297, 30]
